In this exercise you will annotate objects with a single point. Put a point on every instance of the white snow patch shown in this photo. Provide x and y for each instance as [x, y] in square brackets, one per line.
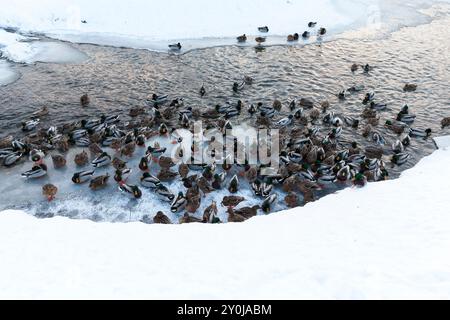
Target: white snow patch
[387, 240]
[7, 75]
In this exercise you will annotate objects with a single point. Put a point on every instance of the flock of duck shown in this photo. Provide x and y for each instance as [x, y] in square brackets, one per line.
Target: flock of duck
[310, 159]
[265, 29]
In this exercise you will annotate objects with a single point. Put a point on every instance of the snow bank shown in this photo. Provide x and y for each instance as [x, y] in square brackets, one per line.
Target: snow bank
[388, 240]
[152, 24]
[7, 74]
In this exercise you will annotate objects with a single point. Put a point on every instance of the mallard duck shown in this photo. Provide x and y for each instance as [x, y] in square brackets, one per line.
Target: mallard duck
[218, 180]
[322, 32]
[128, 149]
[445, 122]
[81, 159]
[311, 24]
[99, 182]
[130, 190]
[418, 133]
[164, 193]
[354, 67]
[268, 202]
[306, 34]
[260, 40]
[360, 180]
[307, 103]
[409, 87]
[102, 160]
[292, 37]
[208, 171]
[95, 149]
[49, 191]
[40, 113]
[397, 146]
[183, 170]
[179, 203]
[189, 219]
[175, 46]
[400, 158]
[58, 161]
[234, 217]
[232, 201]
[406, 118]
[136, 111]
[166, 162]
[264, 29]
[119, 164]
[30, 125]
[233, 187]
[193, 199]
[161, 218]
[204, 185]
[37, 171]
[166, 175]
[248, 212]
[149, 181]
[367, 130]
[368, 97]
[242, 38]
[85, 100]
[396, 127]
[251, 174]
[291, 200]
[210, 214]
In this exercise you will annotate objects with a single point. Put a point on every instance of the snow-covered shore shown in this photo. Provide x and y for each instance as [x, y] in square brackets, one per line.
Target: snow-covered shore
[387, 240]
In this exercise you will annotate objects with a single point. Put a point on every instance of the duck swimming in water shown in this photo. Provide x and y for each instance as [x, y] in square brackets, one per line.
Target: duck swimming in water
[419, 133]
[321, 32]
[84, 100]
[242, 38]
[400, 158]
[30, 125]
[175, 46]
[445, 122]
[306, 35]
[410, 87]
[260, 40]
[202, 91]
[37, 171]
[40, 113]
[264, 29]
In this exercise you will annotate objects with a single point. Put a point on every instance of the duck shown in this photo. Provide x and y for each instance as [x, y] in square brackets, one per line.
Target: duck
[260, 40]
[354, 67]
[218, 180]
[58, 161]
[368, 97]
[204, 185]
[202, 91]
[156, 151]
[210, 214]
[49, 191]
[378, 106]
[82, 176]
[292, 37]
[37, 156]
[251, 109]
[85, 100]
[352, 122]
[264, 29]
[311, 24]
[400, 158]
[445, 122]
[144, 163]
[242, 38]
[37, 171]
[232, 201]
[248, 212]
[234, 217]
[30, 125]
[406, 118]
[406, 140]
[344, 174]
[12, 158]
[251, 174]
[374, 151]
[40, 113]
[166, 162]
[360, 180]
[378, 138]
[140, 140]
[102, 160]
[298, 114]
[322, 31]
[268, 202]
[136, 111]
[397, 146]
[179, 203]
[238, 86]
[306, 34]
[410, 87]
[291, 200]
[99, 182]
[233, 187]
[285, 121]
[164, 193]
[208, 171]
[418, 133]
[81, 159]
[166, 175]
[150, 181]
[131, 190]
[396, 127]
[183, 170]
[119, 164]
[157, 100]
[161, 218]
[367, 130]
[122, 175]
[189, 219]
[175, 46]
[128, 149]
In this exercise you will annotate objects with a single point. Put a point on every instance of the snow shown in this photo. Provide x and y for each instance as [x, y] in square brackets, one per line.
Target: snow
[199, 23]
[442, 142]
[387, 240]
[19, 48]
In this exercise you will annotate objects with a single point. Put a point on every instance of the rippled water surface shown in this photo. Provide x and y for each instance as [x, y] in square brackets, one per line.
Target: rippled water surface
[118, 79]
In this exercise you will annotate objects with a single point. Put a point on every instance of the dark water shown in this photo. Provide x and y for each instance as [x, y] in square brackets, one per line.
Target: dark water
[118, 79]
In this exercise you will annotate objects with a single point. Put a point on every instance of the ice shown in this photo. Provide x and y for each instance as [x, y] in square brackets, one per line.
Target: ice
[23, 49]
[7, 74]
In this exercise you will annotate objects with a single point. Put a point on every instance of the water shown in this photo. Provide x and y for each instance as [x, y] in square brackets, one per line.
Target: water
[118, 79]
